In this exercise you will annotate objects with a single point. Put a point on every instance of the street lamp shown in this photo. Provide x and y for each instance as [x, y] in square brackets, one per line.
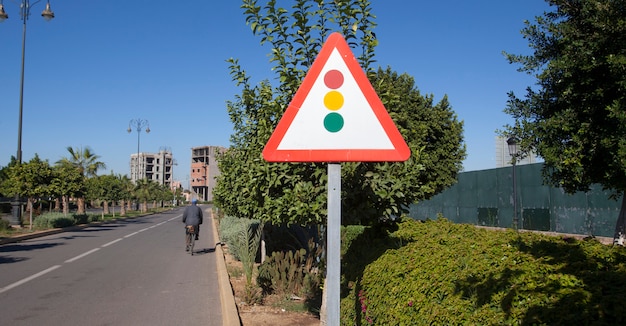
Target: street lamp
[138, 124]
[512, 142]
[47, 14]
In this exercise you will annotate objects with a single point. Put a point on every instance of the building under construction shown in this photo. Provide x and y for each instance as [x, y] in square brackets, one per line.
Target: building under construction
[204, 170]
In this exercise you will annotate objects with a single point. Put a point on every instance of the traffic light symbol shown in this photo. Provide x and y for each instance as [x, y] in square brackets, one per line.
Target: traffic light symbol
[353, 124]
[333, 100]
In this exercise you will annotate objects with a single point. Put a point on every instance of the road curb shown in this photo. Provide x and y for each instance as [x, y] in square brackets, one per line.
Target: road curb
[230, 314]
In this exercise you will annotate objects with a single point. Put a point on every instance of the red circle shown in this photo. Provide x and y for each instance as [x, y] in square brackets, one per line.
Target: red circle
[333, 79]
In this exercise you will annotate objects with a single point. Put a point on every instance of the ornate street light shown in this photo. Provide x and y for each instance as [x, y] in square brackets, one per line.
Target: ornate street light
[47, 14]
[138, 124]
[512, 142]
[3, 14]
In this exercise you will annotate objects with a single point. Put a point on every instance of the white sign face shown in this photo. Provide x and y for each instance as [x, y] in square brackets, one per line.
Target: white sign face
[360, 129]
[336, 115]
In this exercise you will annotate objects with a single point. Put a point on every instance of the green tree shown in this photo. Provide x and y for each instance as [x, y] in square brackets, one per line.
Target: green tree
[9, 179]
[575, 116]
[166, 195]
[4, 175]
[296, 193]
[37, 177]
[126, 193]
[145, 190]
[67, 182]
[87, 164]
[178, 196]
[12, 184]
[435, 137]
[105, 188]
[31, 179]
[156, 193]
[282, 192]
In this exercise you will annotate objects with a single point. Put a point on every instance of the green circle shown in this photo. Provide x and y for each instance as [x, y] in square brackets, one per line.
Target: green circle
[333, 122]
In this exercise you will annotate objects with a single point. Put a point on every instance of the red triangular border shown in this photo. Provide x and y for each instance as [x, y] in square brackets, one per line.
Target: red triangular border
[401, 151]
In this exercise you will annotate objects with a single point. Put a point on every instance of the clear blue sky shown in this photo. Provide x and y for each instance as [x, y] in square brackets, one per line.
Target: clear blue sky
[98, 65]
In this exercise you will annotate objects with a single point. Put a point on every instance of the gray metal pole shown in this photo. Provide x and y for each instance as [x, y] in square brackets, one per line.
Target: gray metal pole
[25, 9]
[333, 247]
[515, 219]
[17, 205]
[137, 167]
[138, 124]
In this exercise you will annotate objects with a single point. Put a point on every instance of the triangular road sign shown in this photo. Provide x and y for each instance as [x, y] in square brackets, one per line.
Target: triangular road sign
[336, 116]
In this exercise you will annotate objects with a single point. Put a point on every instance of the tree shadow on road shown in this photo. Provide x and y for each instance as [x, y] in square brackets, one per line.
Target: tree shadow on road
[17, 247]
[21, 248]
[9, 260]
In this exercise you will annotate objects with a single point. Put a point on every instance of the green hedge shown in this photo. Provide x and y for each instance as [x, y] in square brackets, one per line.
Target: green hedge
[59, 220]
[4, 225]
[53, 220]
[440, 273]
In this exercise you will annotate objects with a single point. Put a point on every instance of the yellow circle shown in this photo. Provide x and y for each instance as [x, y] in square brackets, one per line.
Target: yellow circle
[333, 100]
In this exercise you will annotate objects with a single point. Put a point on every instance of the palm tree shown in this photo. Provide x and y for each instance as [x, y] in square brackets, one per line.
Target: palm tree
[126, 189]
[86, 162]
[143, 191]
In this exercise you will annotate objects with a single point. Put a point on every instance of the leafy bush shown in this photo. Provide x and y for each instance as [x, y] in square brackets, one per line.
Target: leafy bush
[247, 249]
[53, 220]
[360, 246]
[80, 219]
[230, 233]
[243, 237]
[4, 225]
[452, 274]
[94, 217]
[286, 237]
[293, 272]
[349, 234]
[282, 272]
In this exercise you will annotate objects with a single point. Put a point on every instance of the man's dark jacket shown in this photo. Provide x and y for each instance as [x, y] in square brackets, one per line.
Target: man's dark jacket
[192, 215]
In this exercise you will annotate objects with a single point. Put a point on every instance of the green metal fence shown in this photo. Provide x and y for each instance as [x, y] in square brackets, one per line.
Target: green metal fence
[486, 198]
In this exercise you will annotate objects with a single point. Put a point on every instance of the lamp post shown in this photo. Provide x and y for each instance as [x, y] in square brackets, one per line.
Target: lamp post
[47, 14]
[173, 186]
[138, 124]
[512, 143]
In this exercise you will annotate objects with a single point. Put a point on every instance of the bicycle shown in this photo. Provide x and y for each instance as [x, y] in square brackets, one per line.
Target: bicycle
[190, 238]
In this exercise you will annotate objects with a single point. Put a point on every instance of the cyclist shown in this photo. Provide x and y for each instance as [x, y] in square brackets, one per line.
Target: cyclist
[193, 216]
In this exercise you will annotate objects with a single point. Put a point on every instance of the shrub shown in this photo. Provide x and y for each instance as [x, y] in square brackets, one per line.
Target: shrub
[230, 233]
[360, 246]
[53, 220]
[247, 249]
[453, 274]
[80, 219]
[4, 225]
[94, 217]
[282, 273]
[293, 272]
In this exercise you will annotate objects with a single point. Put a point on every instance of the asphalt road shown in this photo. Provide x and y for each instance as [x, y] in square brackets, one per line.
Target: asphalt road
[132, 272]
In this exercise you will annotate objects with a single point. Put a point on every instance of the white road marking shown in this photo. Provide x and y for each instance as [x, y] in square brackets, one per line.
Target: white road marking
[30, 278]
[34, 276]
[71, 260]
[110, 243]
[130, 235]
